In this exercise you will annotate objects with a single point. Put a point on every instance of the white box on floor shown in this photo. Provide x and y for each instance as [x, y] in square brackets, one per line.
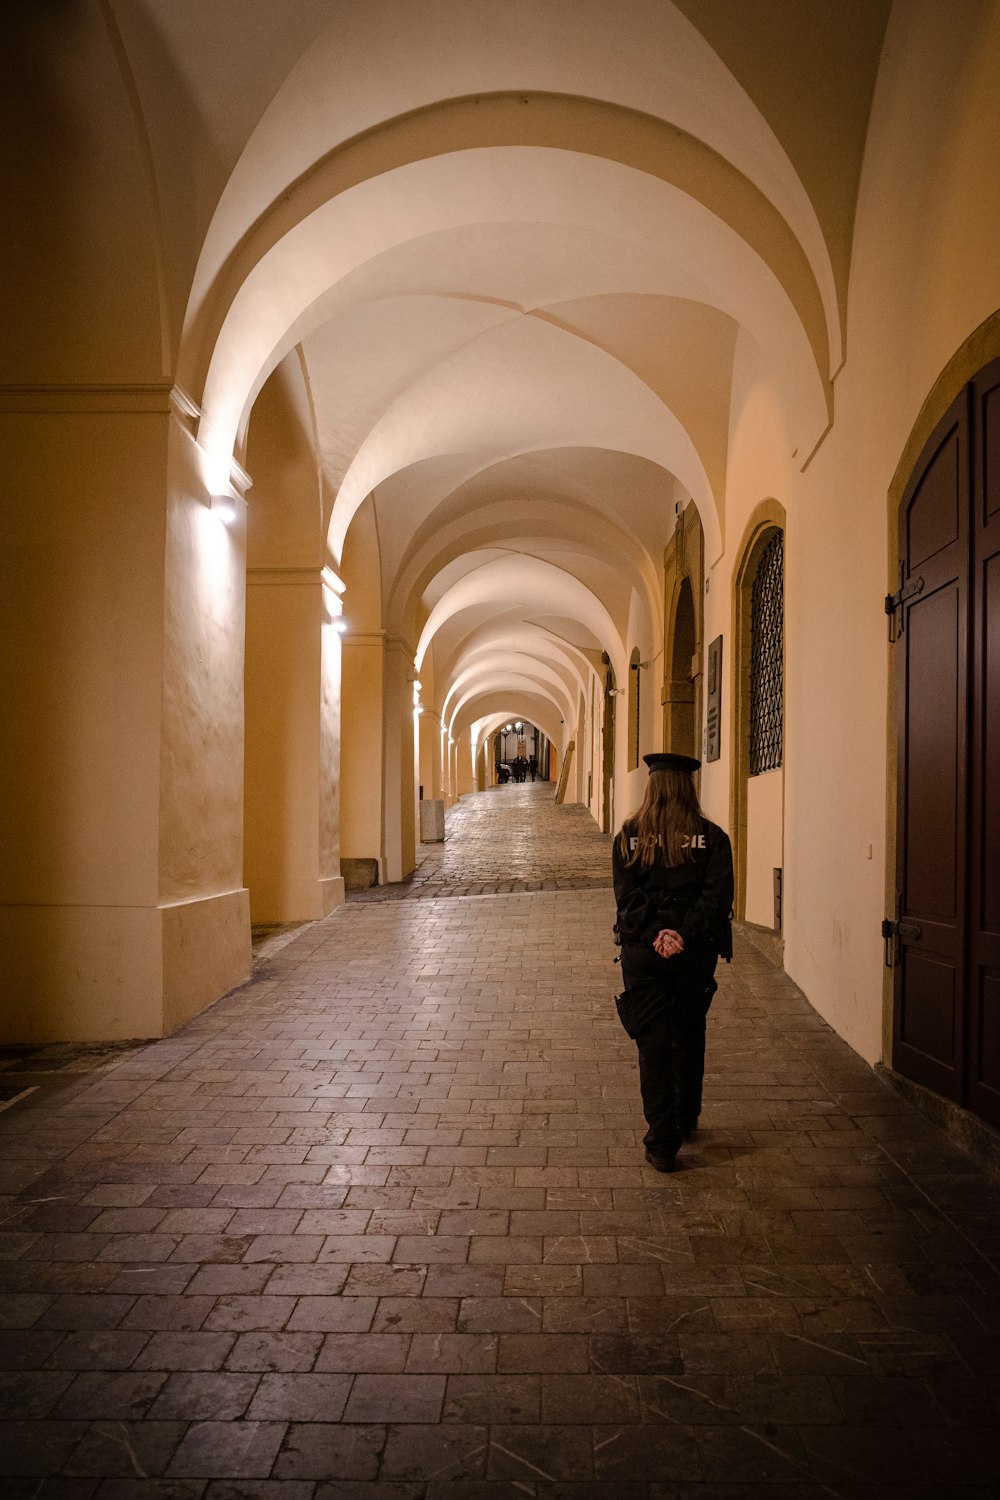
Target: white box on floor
[432, 820]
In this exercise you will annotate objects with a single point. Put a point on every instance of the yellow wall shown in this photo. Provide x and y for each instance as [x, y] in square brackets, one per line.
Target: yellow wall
[82, 619]
[925, 275]
[124, 694]
[764, 845]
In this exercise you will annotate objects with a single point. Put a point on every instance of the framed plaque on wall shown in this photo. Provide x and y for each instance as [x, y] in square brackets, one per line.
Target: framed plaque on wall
[713, 701]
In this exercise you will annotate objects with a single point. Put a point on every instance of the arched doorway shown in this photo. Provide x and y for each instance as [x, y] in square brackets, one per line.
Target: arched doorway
[683, 587]
[682, 727]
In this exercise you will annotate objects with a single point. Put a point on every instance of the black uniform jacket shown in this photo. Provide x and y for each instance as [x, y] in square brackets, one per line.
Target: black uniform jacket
[694, 898]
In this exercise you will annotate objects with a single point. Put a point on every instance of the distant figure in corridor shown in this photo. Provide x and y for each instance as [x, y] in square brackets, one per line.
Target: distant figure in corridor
[673, 879]
[533, 766]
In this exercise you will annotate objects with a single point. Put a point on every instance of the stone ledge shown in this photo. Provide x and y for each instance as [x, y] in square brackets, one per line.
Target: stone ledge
[967, 1130]
[770, 944]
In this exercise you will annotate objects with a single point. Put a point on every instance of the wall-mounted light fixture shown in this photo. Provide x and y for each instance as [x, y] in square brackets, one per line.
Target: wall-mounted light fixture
[224, 508]
[332, 599]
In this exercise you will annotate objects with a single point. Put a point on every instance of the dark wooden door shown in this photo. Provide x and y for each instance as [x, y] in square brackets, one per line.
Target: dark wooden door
[947, 999]
[983, 1072]
[931, 853]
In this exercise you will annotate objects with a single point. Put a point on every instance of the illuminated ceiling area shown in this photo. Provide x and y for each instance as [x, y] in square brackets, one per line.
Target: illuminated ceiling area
[513, 298]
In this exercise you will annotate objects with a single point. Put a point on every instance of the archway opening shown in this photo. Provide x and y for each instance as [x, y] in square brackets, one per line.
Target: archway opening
[683, 730]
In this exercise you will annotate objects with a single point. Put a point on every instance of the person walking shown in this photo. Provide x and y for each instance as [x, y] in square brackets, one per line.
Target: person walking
[533, 766]
[673, 880]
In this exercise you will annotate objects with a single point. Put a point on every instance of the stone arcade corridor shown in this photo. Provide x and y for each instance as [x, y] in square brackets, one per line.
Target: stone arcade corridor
[376, 1227]
[512, 838]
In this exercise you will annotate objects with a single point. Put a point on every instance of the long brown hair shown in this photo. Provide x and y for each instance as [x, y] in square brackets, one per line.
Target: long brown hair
[667, 822]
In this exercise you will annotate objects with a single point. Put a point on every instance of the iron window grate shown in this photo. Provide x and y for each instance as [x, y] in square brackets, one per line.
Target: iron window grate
[767, 627]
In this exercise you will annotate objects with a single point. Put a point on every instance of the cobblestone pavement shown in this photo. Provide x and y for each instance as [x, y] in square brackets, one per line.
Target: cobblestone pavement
[377, 1227]
[510, 838]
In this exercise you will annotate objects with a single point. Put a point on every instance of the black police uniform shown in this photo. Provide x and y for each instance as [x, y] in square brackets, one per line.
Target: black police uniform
[666, 1000]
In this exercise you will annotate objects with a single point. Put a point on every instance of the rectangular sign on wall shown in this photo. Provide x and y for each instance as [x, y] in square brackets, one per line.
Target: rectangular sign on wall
[713, 701]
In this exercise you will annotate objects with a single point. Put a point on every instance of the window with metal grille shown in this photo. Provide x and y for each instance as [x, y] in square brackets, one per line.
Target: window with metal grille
[767, 622]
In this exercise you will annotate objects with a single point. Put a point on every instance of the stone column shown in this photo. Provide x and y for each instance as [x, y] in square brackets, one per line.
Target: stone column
[121, 878]
[465, 769]
[361, 756]
[451, 790]
[398, 854]
[293, 690]
[431, 777]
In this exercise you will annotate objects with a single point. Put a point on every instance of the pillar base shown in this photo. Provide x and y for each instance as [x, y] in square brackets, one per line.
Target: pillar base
[206, 951]
[118, 973]
[333, 892]
[295, 900]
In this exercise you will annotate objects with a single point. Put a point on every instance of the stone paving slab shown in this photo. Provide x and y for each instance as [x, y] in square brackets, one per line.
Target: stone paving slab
[509, 838]
[377, 1226]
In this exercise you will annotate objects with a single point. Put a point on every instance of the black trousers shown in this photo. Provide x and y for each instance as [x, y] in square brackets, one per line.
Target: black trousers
[664, 1011]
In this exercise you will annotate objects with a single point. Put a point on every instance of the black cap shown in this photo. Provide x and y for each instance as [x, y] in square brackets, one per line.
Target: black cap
[672, 763]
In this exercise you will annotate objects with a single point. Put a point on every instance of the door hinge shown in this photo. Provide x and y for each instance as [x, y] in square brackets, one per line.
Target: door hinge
[894, 602]
[893, 934]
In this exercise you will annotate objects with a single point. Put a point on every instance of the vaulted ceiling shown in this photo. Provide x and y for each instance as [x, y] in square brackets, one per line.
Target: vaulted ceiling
[508, 263]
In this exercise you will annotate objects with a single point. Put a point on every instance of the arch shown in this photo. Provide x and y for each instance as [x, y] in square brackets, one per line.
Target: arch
[502, 681]
[978, 350]
[647, 57]
[534, 585]
[492, 648]
[517, 387]
[495, 645]
[624, 135]
[530, 502]
[507, 736]
[269, 308]
[495, 706]
[547, 722]
[767, 519]
[513, 662]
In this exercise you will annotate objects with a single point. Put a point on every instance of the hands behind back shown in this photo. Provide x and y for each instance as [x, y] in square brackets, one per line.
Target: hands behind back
[667, 942]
